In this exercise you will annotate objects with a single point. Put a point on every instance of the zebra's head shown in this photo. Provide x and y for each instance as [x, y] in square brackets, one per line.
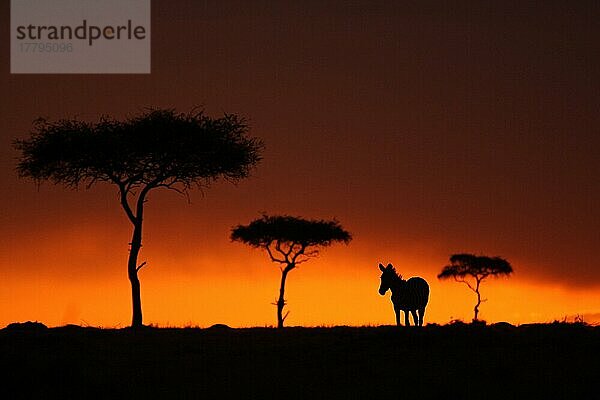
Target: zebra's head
[388, 277]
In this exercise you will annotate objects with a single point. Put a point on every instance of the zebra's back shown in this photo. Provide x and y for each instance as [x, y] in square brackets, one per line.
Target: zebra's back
[414, 295]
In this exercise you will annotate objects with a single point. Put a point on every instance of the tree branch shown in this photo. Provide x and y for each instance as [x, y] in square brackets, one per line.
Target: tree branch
[287, 254]
[91, 182]
[142, 197]
[462, 280]
[299, 253]
[280, 250]
[169, 186]
[124, 189]
[125, 203]
[133, 180]
[140, 266]
[273, 258]
[312, 253]
[480, 279]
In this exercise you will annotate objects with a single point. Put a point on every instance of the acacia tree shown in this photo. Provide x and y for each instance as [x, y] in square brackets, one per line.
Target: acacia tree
[289, 241]
[159, 148]
[472, 270]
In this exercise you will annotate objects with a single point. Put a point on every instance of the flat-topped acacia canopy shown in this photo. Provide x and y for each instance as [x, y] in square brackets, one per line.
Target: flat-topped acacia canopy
[285, 228]
[465, 264]
[156, 147]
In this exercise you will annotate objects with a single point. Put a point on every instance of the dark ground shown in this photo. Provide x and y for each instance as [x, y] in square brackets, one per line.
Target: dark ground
[550, 361]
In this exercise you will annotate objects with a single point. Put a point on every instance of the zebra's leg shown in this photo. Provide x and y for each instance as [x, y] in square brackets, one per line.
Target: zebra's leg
[397, 311]
[421, 315]
[406, 319]
[415, 318]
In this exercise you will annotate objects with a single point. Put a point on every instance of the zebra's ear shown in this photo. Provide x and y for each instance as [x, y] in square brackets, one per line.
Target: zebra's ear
[390, 266]
[381, 267]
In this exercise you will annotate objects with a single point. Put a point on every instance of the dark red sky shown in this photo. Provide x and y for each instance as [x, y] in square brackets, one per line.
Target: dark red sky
[462, 126]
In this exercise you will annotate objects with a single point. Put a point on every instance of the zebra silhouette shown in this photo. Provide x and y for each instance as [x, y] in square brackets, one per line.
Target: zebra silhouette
[411, 295]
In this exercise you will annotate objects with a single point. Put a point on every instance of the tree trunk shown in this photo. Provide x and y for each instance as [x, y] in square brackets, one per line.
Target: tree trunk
[476, 309]
[281, 300]
[132, 269]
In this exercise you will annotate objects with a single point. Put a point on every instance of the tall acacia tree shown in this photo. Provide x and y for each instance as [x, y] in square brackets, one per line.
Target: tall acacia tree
[289, 241]
[472, 270]
[159, 148]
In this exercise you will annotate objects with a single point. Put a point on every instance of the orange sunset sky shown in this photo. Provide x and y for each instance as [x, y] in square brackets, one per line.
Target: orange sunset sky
[426, 129]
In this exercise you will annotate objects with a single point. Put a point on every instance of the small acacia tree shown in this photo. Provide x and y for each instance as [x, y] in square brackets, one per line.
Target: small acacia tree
[472, 270]
[157, 149]
[289, 241]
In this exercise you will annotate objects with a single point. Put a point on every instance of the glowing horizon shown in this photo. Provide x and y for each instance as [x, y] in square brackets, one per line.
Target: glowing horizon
[211, 288]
